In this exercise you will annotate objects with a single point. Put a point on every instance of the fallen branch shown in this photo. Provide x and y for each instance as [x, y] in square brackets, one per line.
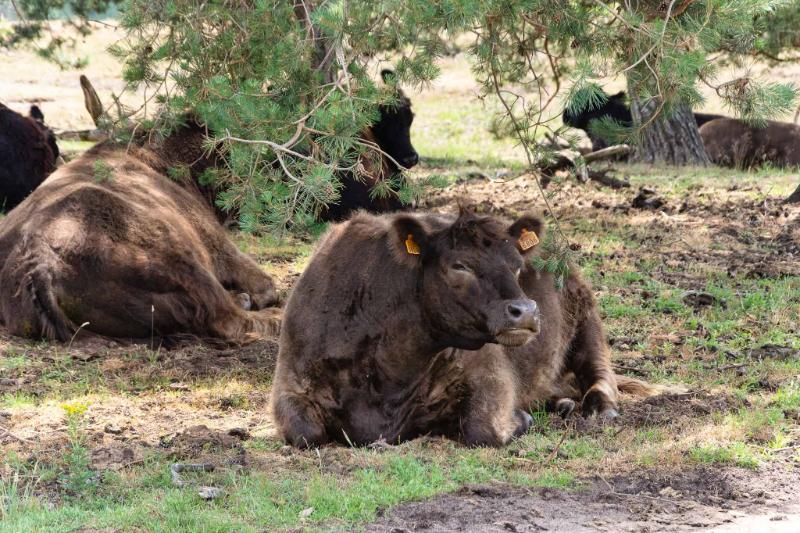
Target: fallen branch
[7, 433]
[82, 135]
[574, 161]
[605, 153]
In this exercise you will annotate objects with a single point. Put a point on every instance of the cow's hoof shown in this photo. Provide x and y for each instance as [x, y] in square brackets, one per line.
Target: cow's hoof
[564, 407]
[609, 414]
[524, 422]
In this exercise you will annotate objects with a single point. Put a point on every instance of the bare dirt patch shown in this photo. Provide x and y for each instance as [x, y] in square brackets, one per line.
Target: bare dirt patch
[702, 499]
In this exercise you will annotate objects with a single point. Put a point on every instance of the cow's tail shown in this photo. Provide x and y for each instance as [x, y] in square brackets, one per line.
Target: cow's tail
[53, 323]
[637, 387]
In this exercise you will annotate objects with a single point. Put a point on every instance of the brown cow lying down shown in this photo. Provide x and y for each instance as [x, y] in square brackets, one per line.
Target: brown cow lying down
[569, 360]
[369, 336]
[733, 143]
[110, 241]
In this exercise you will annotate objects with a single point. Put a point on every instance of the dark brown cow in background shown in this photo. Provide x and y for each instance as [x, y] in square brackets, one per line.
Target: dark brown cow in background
[734, 143]
[28, 154]
[370, 336]
[111, 242]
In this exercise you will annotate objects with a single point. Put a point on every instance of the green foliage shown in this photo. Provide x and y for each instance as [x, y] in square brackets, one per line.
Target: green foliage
[288, 89]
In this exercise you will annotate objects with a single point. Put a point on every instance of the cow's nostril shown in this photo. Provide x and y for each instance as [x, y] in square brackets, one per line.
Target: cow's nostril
[522, 314]
[514, 311]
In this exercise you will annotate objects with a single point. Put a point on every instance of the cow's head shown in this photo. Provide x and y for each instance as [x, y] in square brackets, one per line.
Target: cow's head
[393, 129]
[613, 106]
[38, 117]
[468, 277]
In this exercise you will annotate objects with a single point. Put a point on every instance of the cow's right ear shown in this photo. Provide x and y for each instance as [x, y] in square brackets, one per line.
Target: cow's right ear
[409, 240]
[528, 231]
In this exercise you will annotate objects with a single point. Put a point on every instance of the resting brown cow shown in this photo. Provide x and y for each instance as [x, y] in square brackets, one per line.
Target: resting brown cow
[28, 153]
[370, 336]
[570, 359]
[110, 241]
[733, 143]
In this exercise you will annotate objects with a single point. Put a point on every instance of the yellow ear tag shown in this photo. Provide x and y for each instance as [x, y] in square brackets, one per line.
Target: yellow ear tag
[527, 240]
[411, 246]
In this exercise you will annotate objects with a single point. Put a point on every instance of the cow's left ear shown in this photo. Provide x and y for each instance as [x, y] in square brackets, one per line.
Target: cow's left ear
[36, 113]
[408, 240]
[528, 232]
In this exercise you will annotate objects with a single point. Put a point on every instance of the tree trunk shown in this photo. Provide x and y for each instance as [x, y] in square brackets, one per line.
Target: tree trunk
[324, 58]
[672, 140]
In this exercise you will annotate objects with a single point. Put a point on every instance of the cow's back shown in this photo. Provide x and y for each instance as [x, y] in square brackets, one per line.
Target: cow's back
[110, 240]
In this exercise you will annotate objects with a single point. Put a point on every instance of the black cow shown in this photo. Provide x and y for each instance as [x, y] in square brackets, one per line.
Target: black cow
[28, 154]
[617, 108]
[392, 134]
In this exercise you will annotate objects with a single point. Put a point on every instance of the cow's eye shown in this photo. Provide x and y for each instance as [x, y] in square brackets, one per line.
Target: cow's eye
[460, 266]
[518, 272]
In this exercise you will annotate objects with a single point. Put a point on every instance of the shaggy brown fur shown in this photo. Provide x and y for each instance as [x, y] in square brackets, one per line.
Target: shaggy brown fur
[28, 153]
[733, 143]
[369, 342]
[110, 241]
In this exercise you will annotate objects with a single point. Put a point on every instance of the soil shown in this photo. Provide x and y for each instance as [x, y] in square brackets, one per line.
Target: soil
[704, 499]
[730, 234]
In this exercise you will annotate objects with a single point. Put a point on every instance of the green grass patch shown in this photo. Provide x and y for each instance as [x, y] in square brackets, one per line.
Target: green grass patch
[737, 454]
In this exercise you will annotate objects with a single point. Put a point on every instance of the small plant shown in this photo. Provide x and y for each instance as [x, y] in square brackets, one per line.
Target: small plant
[77, 478]
[102, 171]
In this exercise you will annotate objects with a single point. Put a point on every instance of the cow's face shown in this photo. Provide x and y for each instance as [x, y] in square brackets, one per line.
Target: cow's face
[393, 130]
[469, 279]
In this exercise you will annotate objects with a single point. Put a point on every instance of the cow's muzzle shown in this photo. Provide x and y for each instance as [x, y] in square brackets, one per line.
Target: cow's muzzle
[520, 324]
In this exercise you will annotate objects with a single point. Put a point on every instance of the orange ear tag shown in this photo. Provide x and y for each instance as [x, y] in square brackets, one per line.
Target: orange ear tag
[527, 240]
[411, 246]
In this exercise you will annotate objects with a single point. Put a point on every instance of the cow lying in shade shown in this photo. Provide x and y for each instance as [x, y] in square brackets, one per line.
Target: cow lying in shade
[615, 107]
[429, 324]
[111, 243]
[733, 143]
[28, 154]
[392, 135]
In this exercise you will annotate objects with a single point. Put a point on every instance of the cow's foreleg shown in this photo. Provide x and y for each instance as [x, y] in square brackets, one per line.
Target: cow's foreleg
[492, 417]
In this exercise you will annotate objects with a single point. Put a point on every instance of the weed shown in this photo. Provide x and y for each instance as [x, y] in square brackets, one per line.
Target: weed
[77, 478]
[102, 171]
